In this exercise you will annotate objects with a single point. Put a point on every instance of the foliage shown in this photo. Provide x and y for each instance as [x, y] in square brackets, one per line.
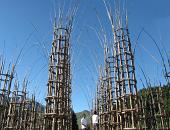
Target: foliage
[74, 121]
[155, 99]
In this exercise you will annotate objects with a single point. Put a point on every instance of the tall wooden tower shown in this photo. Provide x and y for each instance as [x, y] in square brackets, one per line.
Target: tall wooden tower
[125, 79]
[58, 100]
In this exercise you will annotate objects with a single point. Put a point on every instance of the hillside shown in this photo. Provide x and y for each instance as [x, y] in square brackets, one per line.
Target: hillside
[79, 116]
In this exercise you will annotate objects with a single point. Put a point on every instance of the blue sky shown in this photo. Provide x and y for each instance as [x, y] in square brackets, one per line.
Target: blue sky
[33, 20]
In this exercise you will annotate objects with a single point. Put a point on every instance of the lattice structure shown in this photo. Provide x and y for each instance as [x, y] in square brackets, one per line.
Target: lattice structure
[125, 79]
[102, 109]
[5, 90]
[97, 98]
[39, 118]
[161, 114]
[17, 111]
[35, 117]
[142, 109]
[30, 117]
[58, 100]
[12, 119]
[157, 116]
[33, 114]
[24, 108]
[105, 94]
[110, 98]
[125, 107]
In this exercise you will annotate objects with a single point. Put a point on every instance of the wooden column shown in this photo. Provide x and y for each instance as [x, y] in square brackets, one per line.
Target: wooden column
[58, 100]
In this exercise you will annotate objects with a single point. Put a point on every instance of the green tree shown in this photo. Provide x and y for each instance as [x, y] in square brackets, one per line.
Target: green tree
[74, 121]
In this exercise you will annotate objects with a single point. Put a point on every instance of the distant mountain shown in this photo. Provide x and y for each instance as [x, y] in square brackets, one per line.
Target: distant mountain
[79, 116]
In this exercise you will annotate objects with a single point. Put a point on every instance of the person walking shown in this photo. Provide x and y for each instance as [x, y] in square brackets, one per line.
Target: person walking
[95, 121]
[84, 122]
